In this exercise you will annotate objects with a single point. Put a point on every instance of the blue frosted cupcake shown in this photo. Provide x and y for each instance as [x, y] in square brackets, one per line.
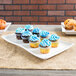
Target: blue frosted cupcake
[44, 34]
[19, 32]
[45, 46]
[34, 41]
[25, 36]
[54, 38]
[29, 28]
[36, 31]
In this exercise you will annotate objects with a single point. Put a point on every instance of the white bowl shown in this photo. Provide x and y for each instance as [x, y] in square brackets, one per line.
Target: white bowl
[68, 32]
[4, 30]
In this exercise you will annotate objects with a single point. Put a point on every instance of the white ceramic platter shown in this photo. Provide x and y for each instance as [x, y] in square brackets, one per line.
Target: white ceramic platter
[8, 25]
[63, 46]
[68, 32]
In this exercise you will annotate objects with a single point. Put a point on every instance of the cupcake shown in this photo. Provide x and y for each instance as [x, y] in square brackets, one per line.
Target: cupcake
[74, 26]
[54, 38]
[45, 46]
[44, 34]
[19, 32]
[2, 24]
[69, 24]
[36, 31]
[25, 36]
[34, 41]
[29, 27]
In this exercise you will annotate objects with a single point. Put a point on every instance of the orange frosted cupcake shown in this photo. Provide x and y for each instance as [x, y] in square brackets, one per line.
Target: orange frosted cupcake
[69, 24]
[45, 46]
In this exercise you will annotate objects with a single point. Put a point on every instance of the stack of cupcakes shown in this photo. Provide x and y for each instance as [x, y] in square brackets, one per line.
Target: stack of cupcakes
[24, 33]
[36, 31]
[37, 38]
[19, 32]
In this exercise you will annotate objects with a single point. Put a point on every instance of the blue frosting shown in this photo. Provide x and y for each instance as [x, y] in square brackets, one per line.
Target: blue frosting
[44, 33]
[29, 27]
[20, 30]
[36, 30]
[26, 33]
[54, 37]
[45, 42]
[34, 38]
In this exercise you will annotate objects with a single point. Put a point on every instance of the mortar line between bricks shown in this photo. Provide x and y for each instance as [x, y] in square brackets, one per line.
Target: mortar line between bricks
[29, 1]
[39, 22]
[29, 21]
[33, 16]
[35, 21]
[42, 4]
[38, 6]
[47, 1]
[64, 13]
[47, 14]
[56, 7]
[55, 19]
[30, 13]
[38, 16]
[12, 13]
[21, 18]
[74, 7]
[12, 1]
[21, 7]
[39, 10]
[38, 19]
[65, 1]
[3, 7]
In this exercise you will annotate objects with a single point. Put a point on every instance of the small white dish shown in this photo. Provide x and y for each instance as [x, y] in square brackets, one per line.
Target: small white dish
[4, 30]
[63, 46]
[68, 32]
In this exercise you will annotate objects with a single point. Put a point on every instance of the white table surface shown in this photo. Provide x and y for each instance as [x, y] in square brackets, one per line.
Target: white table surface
[14, 72]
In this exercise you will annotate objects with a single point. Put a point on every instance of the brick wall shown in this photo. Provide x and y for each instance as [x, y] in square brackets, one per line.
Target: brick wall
[37, 11]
